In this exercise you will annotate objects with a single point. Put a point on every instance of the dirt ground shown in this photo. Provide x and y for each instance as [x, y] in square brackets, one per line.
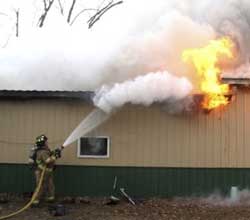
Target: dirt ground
[149, 209]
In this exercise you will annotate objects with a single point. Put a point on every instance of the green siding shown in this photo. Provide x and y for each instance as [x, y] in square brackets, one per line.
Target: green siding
[138, 181]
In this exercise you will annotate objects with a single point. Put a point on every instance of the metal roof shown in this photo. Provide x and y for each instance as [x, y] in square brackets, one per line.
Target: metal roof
[235, 81]
[33, 94]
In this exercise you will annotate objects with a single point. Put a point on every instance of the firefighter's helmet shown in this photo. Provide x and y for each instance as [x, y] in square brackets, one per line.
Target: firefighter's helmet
[40, 140]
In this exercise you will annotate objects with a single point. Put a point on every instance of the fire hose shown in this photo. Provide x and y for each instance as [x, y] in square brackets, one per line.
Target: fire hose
[57, 152]
[32, 198]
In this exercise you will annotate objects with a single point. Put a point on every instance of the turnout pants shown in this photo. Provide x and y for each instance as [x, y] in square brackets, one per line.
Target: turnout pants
[47, 187]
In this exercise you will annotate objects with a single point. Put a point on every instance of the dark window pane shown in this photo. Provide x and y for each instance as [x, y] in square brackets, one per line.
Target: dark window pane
[91, 146]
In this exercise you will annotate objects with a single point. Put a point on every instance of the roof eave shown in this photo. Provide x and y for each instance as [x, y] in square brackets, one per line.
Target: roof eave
[69, 95]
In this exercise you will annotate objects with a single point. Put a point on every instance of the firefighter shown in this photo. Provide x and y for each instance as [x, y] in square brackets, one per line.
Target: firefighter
[45, 158]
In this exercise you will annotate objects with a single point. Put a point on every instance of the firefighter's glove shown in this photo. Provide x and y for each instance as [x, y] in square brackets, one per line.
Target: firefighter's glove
[57, 153]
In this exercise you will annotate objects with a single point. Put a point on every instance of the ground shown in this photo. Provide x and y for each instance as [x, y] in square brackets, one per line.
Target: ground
[148, 209]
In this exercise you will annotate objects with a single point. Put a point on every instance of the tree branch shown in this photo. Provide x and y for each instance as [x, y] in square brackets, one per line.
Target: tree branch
[61, 7]
[101, 12]
[7, 41]
[17, 22]
[71, 10]
[46, 10]
[44, 4]
[3, 14]
[78, 14]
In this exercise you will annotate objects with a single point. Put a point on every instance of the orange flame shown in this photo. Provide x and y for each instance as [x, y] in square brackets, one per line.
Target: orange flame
[205, 61]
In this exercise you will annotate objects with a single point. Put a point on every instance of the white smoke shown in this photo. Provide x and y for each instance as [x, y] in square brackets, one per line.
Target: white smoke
[233, 20]
[217, 199]
[132, 39]
[59, 57]
[242, 71]
[187, 105]
[153, 87]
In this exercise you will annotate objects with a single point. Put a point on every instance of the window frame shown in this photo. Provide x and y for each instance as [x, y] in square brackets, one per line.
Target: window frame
[93, 156]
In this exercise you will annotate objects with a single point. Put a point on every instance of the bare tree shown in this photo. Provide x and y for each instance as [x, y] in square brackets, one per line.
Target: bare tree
[47, 5]
[17, 22]
[101, 12]
[79, 13]
[3, 14]
[9, 37]
[14, 27]
[61, 7]
[71, 10]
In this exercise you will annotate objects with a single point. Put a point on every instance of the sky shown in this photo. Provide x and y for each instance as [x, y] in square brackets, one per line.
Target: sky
[30, 10]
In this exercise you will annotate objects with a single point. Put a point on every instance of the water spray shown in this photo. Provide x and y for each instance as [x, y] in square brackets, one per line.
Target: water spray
[94, 119]
[145, 90]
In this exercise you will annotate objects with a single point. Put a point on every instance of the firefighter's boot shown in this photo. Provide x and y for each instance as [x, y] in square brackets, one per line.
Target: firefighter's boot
[50, 199]
[35, 203]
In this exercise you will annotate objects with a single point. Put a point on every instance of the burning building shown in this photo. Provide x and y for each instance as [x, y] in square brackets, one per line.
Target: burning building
[150, 152]
[200, 148]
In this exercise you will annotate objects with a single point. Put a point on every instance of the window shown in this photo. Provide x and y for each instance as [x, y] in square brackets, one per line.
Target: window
[93, 147]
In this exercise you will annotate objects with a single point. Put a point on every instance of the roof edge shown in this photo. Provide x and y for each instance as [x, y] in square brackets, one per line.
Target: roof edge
[235, 81]
[34, 94]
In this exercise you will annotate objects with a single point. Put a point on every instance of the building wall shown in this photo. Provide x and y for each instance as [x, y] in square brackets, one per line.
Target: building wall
[140, 136]
[152, 153]
[137, 181]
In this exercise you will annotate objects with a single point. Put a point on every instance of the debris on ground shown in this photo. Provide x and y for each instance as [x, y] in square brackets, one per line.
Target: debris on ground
[127, 196]
[67, 200]
[149, 209]
[57, 210]
[112, 200]
[85, 200]
[75, 200]
[4, 198]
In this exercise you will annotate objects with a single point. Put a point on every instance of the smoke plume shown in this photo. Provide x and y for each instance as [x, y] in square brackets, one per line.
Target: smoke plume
[153, 87]
[58, 57]
[129, 41]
